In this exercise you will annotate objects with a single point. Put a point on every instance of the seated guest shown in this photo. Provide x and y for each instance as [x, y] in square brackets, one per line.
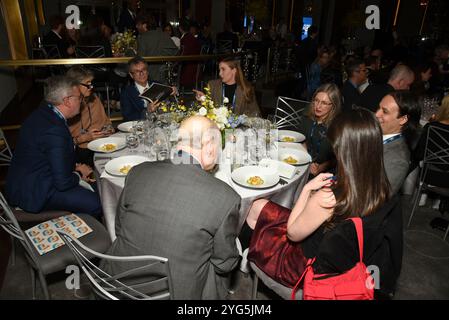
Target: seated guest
[191, 217]
[44, 174]
[57, 37]
[325, 105]
[234, 88]
[356, 71]
[92, 122]
[398, 115]
[131, 104]
[317, 225]
[437, 175]
[401, 77]
[154, 42]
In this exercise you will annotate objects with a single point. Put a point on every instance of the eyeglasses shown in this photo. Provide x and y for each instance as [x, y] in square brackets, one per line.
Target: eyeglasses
[88, 86]
[325, 103]
[139, 72]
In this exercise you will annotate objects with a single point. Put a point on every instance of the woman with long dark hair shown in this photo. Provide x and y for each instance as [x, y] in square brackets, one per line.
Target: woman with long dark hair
[317, 225]
[233, 89]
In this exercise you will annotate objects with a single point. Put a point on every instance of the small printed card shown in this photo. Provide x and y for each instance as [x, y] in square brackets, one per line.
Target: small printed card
[45, 238]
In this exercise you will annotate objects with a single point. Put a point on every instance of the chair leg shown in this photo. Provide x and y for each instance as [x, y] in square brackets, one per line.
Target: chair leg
[415, 203]
[445, 234]
[255, 284]
[13, 251]
[44, 286]
[33, 283]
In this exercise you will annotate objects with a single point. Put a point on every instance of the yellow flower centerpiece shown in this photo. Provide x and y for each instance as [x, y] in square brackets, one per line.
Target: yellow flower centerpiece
[177, 110]
[221, 115]
[124, 44]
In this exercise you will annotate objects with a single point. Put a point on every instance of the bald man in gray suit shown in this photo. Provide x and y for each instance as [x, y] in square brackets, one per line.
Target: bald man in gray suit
[176, 209]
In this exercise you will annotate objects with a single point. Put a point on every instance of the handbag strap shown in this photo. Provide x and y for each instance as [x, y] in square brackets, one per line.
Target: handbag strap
[306, 269]
[359, 229]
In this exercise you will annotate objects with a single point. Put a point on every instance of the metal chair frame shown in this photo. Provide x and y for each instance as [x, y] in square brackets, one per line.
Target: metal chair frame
[5, 152]
[289, 112]
[113, 287]
[432, 158]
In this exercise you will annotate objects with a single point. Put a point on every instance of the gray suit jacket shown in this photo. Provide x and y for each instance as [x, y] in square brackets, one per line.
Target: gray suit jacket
[156, 43]
[184, 214]
[397, 163]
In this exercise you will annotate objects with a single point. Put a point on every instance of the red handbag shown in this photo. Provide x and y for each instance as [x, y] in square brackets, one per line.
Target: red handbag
[355, 284]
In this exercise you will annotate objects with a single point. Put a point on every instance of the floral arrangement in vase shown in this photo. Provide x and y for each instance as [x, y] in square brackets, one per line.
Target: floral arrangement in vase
[124, 44]
[221, 115]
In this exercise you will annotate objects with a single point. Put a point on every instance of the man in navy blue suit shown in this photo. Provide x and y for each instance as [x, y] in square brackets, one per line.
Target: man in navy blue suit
[43, 174]
[131, 104]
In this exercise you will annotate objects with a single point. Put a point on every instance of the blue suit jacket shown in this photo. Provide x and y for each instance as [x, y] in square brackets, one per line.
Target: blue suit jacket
[43, 161]
[131, 105]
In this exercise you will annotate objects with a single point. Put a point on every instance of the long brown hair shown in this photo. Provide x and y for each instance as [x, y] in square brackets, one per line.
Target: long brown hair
[443, 110]
[334, 96]
[362, 185]
[248, 90]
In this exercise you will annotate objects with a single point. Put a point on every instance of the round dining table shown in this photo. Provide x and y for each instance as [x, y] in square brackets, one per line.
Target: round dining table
[110, 187]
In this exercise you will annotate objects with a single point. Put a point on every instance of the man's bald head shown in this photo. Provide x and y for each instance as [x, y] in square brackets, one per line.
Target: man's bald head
[200, 137]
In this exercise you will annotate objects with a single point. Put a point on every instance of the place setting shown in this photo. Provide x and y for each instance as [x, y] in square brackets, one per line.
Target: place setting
[107, 145]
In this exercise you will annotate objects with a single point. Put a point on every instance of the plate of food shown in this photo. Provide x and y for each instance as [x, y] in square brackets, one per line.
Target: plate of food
[107, 145]
[290, 136]
[122, 165]
[294, 157]
[126, 126]
[255, 177]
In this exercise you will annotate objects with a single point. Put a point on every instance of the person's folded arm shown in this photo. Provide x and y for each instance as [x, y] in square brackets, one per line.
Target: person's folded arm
[57, 148]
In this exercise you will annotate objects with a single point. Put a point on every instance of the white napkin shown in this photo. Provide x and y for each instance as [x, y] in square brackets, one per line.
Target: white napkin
[283, 169]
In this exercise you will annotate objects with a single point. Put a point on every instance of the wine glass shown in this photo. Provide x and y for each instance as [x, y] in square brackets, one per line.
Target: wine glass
[132, 142]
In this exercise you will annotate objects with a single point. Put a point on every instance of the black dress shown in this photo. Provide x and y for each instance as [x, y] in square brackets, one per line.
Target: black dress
[336, 250]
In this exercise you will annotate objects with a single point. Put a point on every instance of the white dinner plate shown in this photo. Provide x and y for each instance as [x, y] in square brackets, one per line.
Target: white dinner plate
[291, 145]
[301, 157]
[241, 176]
[100, 145]
[126, 126]
[114, 166]
[290, 136]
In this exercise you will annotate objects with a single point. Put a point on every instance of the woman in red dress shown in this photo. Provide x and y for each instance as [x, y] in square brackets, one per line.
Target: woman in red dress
[284, 239]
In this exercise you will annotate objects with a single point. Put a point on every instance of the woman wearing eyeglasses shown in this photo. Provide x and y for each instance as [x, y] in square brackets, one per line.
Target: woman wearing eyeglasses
[325, 105]
[92, 122]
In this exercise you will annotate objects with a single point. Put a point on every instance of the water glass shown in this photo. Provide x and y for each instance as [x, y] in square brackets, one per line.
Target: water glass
[132, 142]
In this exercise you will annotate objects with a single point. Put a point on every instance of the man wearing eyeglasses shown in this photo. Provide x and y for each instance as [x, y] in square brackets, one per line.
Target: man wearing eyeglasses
[44, 174]
[131, 104]
[357, 75]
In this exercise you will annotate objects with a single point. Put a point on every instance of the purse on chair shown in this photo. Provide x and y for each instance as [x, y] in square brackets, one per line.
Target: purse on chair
[355, 284]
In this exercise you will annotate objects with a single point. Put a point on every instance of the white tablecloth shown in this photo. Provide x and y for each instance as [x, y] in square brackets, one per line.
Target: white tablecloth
[110, 188]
